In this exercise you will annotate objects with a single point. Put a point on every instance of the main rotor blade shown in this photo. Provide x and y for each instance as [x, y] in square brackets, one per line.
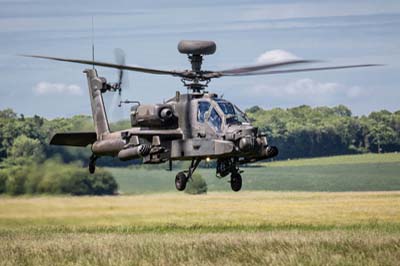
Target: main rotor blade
[104, 64]
[298, 70]
[247, 69]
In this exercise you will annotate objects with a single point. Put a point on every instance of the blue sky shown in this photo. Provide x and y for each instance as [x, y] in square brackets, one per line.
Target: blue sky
[339, 32]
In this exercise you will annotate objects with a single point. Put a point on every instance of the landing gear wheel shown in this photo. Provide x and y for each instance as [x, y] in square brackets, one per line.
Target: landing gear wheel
[236, 181]
[180, 181]
[92, 167]
[92, 163]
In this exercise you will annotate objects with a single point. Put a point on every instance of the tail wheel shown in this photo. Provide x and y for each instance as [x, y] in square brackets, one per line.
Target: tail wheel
[180, 181]
[92, 164]
[92, 167]
[236, 181]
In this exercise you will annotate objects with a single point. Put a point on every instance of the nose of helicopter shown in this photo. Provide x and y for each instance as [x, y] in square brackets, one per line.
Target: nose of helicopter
[244, 136]
[248, 140]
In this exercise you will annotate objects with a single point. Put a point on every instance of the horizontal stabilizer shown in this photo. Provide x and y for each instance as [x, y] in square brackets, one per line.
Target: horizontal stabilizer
[79, 139]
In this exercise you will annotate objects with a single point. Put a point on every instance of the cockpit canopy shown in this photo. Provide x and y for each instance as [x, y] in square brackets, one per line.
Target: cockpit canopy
[218, 111]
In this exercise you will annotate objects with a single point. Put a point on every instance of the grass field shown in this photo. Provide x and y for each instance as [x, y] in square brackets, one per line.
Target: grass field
[251, 228]
[259, 227]
[369, 172]
[369, 158]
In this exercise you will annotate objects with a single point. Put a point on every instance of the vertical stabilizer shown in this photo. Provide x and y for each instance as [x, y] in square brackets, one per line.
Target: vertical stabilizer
[95, 85]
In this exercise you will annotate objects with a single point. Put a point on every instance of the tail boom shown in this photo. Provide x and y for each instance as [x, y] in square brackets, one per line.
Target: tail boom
[95, 85]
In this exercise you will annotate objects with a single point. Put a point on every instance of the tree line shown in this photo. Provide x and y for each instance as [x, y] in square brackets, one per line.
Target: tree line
[304, 131]
[29, 165]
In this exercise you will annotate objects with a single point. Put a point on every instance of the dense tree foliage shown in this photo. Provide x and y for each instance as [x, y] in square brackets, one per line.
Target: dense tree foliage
[29, 165]
[310, 132]
[54, 177]
[40, 130]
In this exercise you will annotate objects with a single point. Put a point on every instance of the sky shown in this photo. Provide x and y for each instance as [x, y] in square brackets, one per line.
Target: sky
[246, 32]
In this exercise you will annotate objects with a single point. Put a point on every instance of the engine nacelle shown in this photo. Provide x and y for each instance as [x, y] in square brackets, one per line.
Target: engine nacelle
[158, 115]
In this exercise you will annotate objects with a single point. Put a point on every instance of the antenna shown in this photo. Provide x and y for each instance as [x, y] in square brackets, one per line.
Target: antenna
[93, 40]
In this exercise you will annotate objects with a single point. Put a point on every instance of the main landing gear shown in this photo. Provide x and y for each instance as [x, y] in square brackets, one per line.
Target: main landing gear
[236, 181]
[182, 177]
[224, 168]
[92, 163]
[230, 166]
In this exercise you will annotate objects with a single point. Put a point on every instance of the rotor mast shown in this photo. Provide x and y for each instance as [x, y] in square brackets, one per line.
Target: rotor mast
[196, 60]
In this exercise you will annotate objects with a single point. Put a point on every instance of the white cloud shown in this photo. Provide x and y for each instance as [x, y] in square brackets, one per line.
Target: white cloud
[310, 89]
[275, 56]
[44, 87]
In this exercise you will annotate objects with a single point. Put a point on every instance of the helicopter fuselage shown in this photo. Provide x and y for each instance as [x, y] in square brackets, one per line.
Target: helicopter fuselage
[188, 126]
[193, 126]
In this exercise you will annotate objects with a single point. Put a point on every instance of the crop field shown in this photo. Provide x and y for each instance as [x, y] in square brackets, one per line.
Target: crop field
[326, 211]
[250, 228]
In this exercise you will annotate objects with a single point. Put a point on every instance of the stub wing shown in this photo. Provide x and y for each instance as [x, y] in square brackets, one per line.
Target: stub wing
[77, 139]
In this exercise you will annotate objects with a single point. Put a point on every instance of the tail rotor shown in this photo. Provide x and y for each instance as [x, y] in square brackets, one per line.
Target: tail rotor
[119, 55]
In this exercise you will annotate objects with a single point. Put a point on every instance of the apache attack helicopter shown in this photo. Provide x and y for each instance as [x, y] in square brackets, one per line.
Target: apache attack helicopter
[194, 126]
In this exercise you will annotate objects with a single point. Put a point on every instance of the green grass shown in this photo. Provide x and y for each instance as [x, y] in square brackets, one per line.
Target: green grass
[369, 158]
[369, 172]
[248, 228]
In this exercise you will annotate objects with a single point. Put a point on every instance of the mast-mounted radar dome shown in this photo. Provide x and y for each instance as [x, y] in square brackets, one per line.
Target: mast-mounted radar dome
[197, 47]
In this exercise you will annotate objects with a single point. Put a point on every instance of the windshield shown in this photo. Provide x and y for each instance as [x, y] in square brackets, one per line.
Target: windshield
[226, 107]
[233, 114]
[241, 116]
[215, 120]
[201, 111]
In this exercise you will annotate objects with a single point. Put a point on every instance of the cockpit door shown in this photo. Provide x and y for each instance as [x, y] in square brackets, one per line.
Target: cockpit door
[209, 121]
[215, 120]
[202, 109]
